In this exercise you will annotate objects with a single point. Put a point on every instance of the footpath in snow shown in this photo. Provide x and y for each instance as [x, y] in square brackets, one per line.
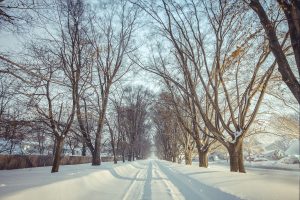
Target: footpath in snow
[147, 179]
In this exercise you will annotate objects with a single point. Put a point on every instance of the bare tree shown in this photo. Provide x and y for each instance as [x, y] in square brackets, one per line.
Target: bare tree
[137, 104]
[120, 124]
[286, 126]
[291, 11]
[55, 93]
[171, 137]
[214, 68]
[73, 141]
[113, 137]
[13, 126]
[16, 12]
[112, 42]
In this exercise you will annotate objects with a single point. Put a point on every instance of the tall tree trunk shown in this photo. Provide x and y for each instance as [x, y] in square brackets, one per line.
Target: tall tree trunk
[114, 154]
[130, 154]
[96, 157]
[96, 160]
[241, 160]
[291, 10]
[86, 141]
[233, 159]
[129, 157]
[115, 159]
[54, 146]
[235, 151]
[123, 146]
[11, 147]
[188, 156]
[112, 142]
[83, 150]
[203, 158]
[123, 156]
[96, 154]
[202, 154]
[57, 154]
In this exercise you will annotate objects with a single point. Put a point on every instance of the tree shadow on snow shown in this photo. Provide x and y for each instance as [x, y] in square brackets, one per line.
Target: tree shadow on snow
[186, 186]
[204, 172]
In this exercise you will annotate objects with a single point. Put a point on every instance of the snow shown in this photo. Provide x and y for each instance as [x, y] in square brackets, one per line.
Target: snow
[290, 160]
[147, 179]
[236, 134]
[293, 150]
[282, 164]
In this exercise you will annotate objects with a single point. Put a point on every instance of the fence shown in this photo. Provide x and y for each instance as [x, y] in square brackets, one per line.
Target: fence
[27, 161]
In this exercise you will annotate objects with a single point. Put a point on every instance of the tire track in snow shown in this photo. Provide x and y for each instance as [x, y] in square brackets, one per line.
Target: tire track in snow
[135, 189]
[163, 184]
[147, 192]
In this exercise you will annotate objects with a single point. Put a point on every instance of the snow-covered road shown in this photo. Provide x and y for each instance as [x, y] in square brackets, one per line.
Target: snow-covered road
[147, 179]
[156, 180]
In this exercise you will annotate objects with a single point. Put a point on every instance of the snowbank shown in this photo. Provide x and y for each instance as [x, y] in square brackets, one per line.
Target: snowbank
[293, 150]
[286, 163]
[149, 179]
